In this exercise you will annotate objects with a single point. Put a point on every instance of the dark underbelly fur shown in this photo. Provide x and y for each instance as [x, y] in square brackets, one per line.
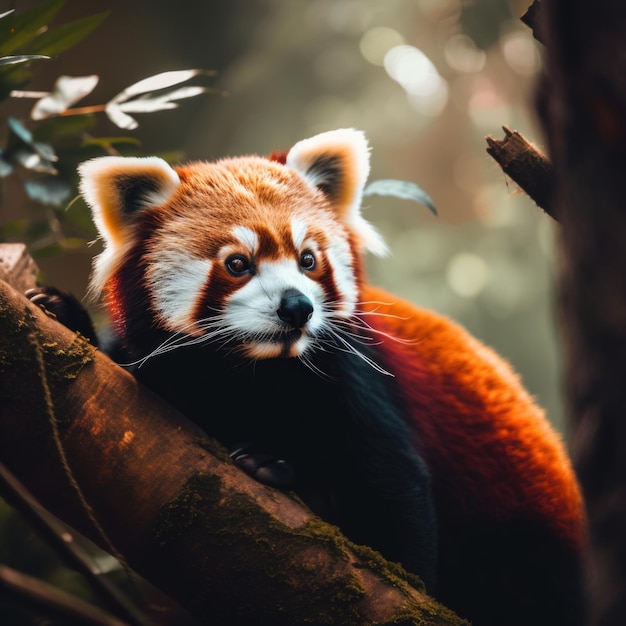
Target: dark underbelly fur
[344, 434]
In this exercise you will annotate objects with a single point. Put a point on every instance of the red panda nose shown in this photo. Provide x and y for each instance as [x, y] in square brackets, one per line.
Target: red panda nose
[295, 308]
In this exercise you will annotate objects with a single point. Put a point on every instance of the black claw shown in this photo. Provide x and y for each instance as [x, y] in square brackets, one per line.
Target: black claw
[66, 308]
[265, 468]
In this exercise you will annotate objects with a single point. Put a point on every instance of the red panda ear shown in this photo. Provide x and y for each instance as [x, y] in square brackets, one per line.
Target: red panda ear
[116, 188]
[337, 163]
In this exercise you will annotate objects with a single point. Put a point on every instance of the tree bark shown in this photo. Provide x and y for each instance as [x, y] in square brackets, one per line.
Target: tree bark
[116, 463]
[526, 165]
[582, 104]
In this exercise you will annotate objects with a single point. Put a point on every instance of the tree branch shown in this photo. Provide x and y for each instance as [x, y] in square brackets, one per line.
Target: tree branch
[534, 18]
[37, 594]
[227, 548]
[526, 165]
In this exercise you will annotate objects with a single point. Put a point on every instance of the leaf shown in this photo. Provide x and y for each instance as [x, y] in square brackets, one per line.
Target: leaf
[155, 83]
[21, 58]
[43, 150]
[148, 104]
[13, 77]
[119, 118]
[400, 189]
[32, 160]
[136, 98]
[67, 91]
[6, 167]
[59, 39]
[48, 190]
[18, 129]
[107, 142]
[56, 129]
[17, 30]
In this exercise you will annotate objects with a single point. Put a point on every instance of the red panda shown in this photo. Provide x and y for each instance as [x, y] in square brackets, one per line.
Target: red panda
[236, 290]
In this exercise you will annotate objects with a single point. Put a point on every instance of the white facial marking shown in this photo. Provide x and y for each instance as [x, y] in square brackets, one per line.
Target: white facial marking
[247, 237]
[252, 309]
[176, 280]
[298, 232]
[340, 258]
[105, 265]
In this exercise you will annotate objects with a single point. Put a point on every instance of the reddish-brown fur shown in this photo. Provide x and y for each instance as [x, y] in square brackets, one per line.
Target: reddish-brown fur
[477, 425]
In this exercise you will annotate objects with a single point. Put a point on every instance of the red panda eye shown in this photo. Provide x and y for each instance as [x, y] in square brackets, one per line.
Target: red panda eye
[307, 260]
[237, 265]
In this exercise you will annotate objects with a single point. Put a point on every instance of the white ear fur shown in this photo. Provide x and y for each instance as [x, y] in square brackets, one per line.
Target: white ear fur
[117, 187]
[337, 163]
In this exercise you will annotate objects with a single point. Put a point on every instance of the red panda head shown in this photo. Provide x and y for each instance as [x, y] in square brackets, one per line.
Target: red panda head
[247, 252]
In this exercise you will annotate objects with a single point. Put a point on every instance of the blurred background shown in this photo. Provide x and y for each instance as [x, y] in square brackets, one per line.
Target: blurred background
[426, 80]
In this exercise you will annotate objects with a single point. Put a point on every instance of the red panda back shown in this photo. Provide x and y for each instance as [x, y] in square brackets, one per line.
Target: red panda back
[475, 423]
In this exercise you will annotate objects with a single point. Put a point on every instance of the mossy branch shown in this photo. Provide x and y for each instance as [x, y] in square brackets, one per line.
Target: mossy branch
[227, 548]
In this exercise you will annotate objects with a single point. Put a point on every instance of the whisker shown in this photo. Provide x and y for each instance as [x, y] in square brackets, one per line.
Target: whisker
[182, 339]
[308, 363]
[346, 346]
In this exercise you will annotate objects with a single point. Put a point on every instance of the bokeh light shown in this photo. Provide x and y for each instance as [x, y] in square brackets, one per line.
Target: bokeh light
[467, 274]
[377, 41]
[462, 54]
[415, 72]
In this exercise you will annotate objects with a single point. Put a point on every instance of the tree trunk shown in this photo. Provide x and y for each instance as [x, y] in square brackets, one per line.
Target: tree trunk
[582, 103]
[113, 461]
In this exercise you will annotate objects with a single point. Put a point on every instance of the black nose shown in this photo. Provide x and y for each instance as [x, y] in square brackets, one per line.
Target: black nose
[295, 308]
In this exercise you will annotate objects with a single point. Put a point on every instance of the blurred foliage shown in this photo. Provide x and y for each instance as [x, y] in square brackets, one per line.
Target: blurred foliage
[42, 152]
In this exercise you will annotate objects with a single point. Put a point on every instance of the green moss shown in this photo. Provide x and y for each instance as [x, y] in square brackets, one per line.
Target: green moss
[66, 363]
[33, 368]
[235, 545]
[62, 363]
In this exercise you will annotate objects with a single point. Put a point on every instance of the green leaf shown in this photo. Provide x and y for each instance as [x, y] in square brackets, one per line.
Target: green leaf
[63, 37]
[19, 130]
[13, 77]
[14, 229]
[48, 190]
[18, 30]
[57, 129]
[400, 189]
[21, 58]
[108, 142]
[6, 167]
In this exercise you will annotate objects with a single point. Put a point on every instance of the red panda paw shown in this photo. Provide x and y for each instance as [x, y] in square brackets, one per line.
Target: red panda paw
[65, 308]
[265, 468]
